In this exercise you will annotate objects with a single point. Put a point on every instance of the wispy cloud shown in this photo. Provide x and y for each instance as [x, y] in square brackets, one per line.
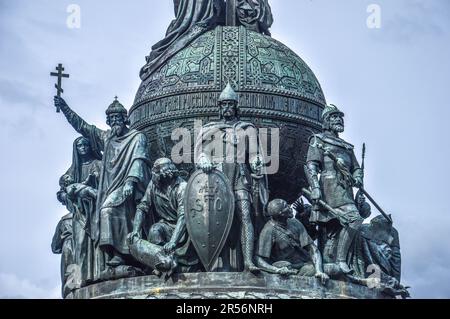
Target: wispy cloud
[394, 93]
[13, 287]
[408, 20]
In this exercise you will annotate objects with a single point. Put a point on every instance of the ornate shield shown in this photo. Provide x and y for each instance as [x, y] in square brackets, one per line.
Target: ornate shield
[209, 210]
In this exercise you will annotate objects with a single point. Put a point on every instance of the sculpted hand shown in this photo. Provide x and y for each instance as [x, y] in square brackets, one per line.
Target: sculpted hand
[71, 192]
[133, 236]
[128, 190]
[59, 102]
[359, 182]
[169, 247]
[323, 277]
[298, 206]
[257, 165]
[205, 165]
[361, 200]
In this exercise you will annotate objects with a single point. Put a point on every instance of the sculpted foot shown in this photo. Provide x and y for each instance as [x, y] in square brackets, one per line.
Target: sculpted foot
[252, 268]
[116, 262]
[107, 274]
[157, 273]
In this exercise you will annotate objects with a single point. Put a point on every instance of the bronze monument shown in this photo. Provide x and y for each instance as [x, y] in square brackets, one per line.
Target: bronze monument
[202, 217]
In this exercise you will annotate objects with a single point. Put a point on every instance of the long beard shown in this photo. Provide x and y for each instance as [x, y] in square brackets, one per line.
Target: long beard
[117, 130]
[162, 179]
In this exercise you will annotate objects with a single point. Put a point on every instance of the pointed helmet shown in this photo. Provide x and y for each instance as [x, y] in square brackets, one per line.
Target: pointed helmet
[228, 94]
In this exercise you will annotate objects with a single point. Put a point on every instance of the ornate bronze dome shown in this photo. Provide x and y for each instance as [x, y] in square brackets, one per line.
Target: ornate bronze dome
[276, 89]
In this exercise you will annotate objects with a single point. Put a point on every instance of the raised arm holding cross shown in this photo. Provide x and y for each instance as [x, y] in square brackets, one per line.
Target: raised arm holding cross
[58, 86]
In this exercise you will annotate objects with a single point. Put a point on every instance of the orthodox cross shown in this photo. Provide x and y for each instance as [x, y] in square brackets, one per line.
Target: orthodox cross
[58, 86]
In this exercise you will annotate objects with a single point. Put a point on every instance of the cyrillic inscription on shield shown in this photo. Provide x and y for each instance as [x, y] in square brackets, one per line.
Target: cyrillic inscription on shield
[209, 209]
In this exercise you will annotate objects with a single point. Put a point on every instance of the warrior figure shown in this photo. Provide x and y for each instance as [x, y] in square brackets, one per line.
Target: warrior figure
[231, 146]
[334, 159]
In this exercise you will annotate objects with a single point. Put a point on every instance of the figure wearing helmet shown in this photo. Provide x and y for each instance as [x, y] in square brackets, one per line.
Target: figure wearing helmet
[231, 146]
[334, 160]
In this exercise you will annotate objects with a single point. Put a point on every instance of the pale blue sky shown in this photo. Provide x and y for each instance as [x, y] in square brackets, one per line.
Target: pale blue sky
[392, 82]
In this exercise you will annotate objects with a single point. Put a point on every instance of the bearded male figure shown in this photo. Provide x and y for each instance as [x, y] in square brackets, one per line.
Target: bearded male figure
[231, 146]
[163, 207]
[123, 179]
[335, 161]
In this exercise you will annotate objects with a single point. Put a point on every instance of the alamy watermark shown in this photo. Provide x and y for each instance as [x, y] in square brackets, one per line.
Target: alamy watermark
[74, 18]
[374, 18]
[231, 145]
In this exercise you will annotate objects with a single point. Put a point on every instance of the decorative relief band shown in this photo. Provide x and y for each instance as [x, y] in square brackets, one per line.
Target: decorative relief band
[195, 104]
[250, 61]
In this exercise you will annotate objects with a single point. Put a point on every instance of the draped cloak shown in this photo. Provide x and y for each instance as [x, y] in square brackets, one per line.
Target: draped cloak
[256, 15]
[82, 210]
[125, 159]
[62, 244]
[193, 18]
[167, 208]
[379, 247]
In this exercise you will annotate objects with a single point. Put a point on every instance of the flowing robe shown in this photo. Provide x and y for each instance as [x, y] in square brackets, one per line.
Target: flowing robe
[62, 244]
[256, 15]
[193, 18]
[125, 158]
[167, 210]
[379, 247]
[83, 209]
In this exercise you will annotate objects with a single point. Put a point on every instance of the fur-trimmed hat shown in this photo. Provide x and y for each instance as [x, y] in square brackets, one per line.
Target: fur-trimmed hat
[116, 107]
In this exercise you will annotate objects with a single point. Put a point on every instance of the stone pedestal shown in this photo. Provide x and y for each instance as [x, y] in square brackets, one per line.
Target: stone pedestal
[225, 286]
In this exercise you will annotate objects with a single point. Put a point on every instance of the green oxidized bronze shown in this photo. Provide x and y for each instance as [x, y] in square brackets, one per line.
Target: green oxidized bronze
[276, 89]
[211, 226]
